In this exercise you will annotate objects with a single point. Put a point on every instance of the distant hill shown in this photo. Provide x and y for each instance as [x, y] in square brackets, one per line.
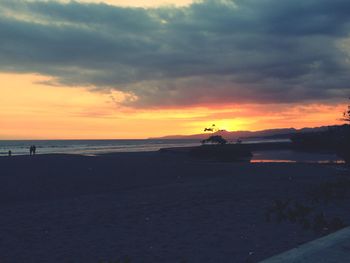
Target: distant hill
[234, 135]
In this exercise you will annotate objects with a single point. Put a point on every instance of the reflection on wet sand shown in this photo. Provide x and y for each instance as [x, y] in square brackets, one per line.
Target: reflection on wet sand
[290, 156]
[293, 161]
[271, 161]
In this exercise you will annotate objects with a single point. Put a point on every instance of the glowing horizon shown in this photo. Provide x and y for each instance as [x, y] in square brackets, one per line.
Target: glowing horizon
[106, 69]
[33, 110]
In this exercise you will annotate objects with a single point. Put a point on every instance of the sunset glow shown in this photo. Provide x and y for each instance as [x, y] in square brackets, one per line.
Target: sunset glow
[32, 110]
[137, 69]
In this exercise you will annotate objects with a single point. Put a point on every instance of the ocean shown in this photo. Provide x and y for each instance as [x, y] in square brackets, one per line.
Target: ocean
[89, 147]
[93, 147]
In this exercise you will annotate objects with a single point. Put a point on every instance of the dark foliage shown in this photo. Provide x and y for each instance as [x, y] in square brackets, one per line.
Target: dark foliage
[335, 139]
[346, 115]
[303, 215]
[331, 191]
[217, 139]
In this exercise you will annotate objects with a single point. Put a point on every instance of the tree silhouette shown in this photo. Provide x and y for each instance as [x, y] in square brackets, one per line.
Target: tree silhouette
[215, 139]
[211, 129]
[346, 114]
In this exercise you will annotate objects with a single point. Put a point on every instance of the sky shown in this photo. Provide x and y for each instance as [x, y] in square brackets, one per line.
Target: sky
[97, 69]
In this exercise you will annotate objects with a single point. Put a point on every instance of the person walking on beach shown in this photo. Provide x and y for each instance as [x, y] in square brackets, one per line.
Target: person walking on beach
[10, 153]
[32, 150]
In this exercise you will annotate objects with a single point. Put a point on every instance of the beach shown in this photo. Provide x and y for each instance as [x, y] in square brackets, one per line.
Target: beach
[152, 207]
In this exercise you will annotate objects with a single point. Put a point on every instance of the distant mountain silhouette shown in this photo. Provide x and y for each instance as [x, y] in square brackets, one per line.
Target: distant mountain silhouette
[233, 135]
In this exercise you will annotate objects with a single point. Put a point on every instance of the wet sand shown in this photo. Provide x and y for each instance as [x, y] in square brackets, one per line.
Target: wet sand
[150, 207]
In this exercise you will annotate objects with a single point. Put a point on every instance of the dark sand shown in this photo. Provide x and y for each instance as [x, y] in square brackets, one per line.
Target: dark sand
[150, 207]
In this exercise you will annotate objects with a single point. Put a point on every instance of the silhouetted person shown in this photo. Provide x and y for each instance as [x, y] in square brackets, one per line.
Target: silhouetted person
[31, 150]
[10, 153]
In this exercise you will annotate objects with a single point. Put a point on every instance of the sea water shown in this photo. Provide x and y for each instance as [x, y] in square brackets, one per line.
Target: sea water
[89, 147]
[95, 147]
[92, 147]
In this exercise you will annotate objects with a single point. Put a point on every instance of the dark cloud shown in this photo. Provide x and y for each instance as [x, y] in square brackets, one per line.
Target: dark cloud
[264, 51]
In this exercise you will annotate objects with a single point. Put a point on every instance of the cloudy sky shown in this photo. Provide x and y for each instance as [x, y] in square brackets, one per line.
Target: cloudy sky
[134, 69]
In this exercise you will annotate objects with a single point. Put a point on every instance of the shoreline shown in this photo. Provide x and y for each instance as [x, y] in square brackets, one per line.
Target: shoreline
[271, 152]
[98, 148]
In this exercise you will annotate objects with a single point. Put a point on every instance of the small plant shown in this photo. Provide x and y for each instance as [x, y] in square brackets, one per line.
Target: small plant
[306, 224]
[304, 216]
[320, 223]
[298, 213]
[329, 191]
[336, 224]
[279, 209]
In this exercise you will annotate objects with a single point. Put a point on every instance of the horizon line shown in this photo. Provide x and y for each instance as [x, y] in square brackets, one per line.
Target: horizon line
[162, 136]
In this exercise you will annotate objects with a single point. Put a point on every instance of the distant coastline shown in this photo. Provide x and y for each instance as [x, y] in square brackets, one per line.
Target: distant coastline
[279, 133]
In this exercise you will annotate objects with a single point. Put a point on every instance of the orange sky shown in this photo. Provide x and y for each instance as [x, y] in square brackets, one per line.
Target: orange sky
[183, 54]
[30, 110]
